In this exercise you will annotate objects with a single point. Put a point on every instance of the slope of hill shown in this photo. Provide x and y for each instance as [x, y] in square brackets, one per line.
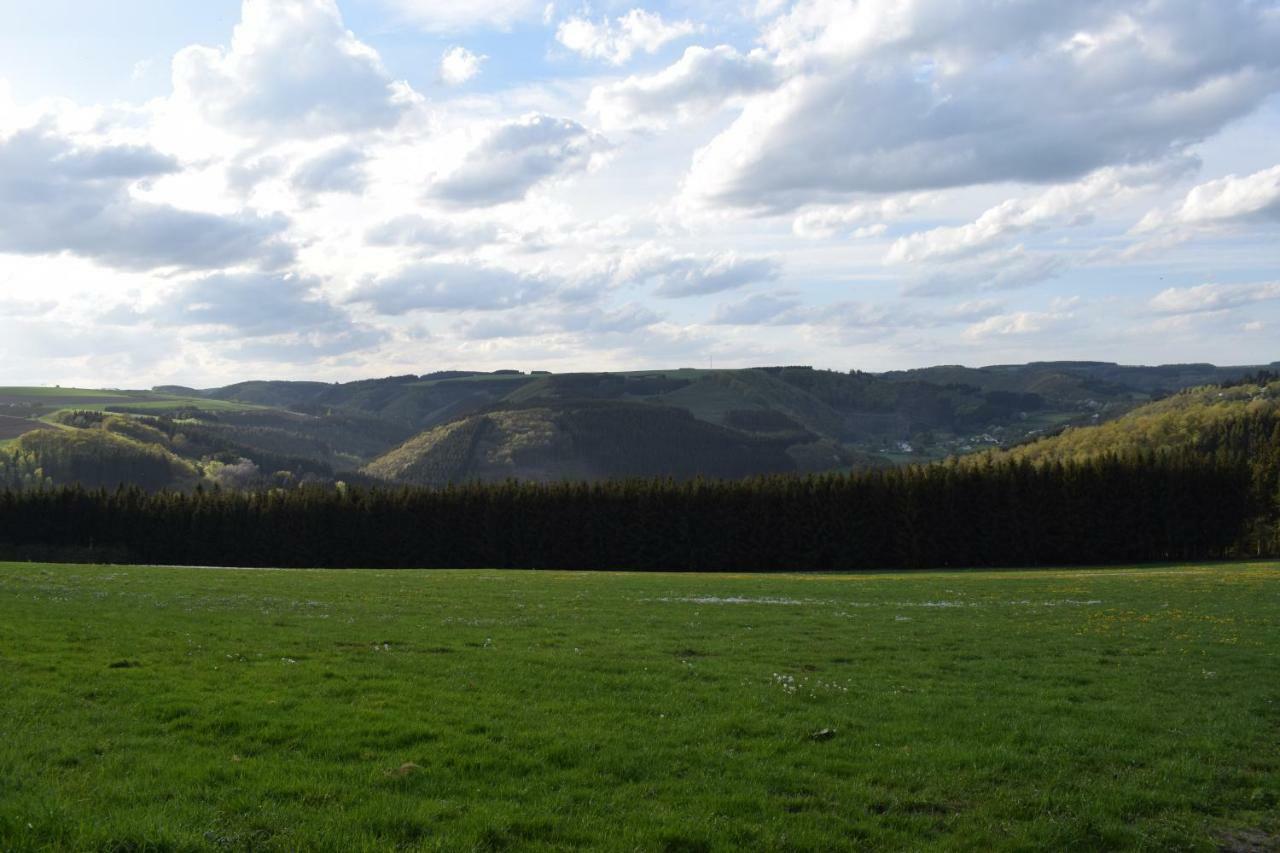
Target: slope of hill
[462, 425]
[1069, 378]
[94, 458]
[1241, 418]
[1236, 425]
[414, 401]
[592, 440]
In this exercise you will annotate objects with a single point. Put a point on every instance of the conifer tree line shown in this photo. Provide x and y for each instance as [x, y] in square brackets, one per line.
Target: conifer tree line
[1108, 509]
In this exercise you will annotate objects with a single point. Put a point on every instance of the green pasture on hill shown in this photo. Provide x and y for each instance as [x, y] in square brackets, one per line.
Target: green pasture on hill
[163, 404]
[91, 398]
[193, 709]
[42, 392]
[52, 400]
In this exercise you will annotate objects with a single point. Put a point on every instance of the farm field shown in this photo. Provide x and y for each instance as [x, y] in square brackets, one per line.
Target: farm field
[11, 427]
[175, 709]
[46, 401]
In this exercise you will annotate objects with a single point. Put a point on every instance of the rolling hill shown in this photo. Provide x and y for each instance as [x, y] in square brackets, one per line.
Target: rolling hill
[593, 440]
[1236, 425]
[1241, 417]
[456, 426]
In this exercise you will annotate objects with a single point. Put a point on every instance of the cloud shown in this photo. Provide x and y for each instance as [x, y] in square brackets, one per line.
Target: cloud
[420, 232]
[250, 305]
[293, 69]
[856, 220]
[950, 259]
[853, 320]
[1251, 198]
[1213, 297]
[758, 309]
[245, 170]
[504, 326]
[458, 65]
[247, 317]
[433, 286]
[307, 346]
[701, 81]
[1021, 324]
[58, 196]
[617, 41]
[446, 17]
[339, 170]
[626, 319]
[1006, 270]
[679, 275]
[902, 97]
[456, 286]
[1006, 218]
[26, 308]
[1065, 204]
[42, 342]
[967, 143]
[971, 311]
[516, 156]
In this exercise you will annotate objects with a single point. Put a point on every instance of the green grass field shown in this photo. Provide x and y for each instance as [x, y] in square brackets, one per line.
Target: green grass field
[175, 709]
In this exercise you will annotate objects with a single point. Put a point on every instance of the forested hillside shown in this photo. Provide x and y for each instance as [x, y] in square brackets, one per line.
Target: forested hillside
[1192, 476]
[1240, 417]
[1236, 424]
[768, 419]
[591, 440]
[462, 426]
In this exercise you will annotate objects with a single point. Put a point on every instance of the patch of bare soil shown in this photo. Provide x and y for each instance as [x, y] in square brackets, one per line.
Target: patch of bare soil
[1249, 841]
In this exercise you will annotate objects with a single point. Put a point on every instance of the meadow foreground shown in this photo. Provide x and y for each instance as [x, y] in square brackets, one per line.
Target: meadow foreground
[165, 708]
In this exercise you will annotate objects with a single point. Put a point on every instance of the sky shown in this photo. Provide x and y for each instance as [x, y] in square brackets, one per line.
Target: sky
[202, 193]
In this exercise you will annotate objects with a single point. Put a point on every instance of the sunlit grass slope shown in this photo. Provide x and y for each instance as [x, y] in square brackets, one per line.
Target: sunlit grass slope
[145, 708]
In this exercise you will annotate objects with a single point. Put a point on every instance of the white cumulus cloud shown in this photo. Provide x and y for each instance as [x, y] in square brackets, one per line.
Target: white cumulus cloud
[676, 274]
[293, 69]
[458, 65]
[1213, 297]
[58, 194]
[515, 156]
[1020, 323]
[618, 40]
[1231, 199]
[701, 81]
[891, 97]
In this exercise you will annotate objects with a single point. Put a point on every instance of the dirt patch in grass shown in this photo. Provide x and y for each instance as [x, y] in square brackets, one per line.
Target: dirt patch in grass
[406, 769]
[1249, 841]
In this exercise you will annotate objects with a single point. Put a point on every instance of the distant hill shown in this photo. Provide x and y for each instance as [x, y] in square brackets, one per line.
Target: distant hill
[452, 426]
[1063, 380]
[414, 401]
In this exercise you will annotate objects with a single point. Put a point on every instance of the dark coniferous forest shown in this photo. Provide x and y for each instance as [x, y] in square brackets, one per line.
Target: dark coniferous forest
[1107, 510]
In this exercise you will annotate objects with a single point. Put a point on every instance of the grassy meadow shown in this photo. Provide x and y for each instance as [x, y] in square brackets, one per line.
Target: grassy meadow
[189, 709]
